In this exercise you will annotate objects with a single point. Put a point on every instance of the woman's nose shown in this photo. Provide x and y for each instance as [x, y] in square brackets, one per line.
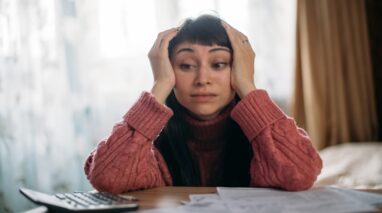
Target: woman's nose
[202, 76]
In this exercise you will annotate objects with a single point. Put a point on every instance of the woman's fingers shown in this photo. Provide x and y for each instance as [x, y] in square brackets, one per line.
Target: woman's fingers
[158, 56]
[233, 34]
[237, 38]
[242, 77]
[164, 77]
[165, 37]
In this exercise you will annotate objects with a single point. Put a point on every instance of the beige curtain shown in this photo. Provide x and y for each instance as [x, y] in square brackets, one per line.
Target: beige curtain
[334, 98]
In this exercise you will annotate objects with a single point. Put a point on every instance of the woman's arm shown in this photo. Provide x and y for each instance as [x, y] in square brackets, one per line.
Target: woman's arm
[127, 160]
[284, 156]
[283, 153]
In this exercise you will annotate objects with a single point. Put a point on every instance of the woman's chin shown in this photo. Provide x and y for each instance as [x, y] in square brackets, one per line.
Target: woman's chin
[204, 115]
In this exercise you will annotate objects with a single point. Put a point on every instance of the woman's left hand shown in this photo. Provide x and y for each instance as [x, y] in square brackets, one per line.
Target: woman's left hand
[243, 63]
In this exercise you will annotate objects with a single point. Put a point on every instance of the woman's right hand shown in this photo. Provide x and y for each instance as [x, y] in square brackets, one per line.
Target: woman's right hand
[164, 77]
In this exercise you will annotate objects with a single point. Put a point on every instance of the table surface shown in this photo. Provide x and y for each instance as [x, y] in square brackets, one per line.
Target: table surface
[165, 197]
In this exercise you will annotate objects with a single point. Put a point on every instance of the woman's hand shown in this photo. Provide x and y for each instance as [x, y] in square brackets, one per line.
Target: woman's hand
[243, 64]
[164, 77]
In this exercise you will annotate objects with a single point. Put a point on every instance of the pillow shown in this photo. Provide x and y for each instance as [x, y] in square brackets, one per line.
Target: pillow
[352, 165]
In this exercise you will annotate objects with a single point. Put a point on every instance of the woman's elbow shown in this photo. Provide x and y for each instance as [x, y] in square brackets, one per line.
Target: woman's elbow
[299, 181]
[299, 185]
[105, 183]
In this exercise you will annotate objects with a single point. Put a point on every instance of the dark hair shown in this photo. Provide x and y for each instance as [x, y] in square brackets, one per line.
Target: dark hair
[172, 142]
[205, 30]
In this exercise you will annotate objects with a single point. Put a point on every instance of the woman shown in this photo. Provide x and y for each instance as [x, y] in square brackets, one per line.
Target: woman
[204, 123]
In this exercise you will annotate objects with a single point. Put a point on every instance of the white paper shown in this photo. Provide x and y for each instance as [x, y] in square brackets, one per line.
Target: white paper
[371, 198]
[243, 200]
[200, 203]
[324, 199]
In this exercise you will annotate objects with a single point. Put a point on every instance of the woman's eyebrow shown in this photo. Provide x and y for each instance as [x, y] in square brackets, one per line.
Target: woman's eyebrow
[219, 49]
[187, 49]
[184, 50]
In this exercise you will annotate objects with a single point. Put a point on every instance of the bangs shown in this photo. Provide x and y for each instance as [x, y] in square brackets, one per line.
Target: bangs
[205, 30]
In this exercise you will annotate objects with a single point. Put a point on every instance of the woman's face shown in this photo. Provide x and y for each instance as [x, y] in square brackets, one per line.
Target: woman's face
[203, 78]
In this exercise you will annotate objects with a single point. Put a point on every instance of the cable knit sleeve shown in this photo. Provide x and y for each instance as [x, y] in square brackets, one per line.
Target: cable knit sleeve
[284, 156]
[127, 160]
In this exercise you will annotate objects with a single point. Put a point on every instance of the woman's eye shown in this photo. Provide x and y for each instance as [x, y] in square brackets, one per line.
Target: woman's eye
[185, 66]
[220, 65]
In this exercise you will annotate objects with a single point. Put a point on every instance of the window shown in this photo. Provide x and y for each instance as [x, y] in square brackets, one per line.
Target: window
[70, 69]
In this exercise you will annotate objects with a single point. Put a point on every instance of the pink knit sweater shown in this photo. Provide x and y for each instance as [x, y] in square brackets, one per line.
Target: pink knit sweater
[127, 160]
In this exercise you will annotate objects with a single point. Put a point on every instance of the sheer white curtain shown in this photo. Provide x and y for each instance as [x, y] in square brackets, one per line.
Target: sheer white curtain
[69, 69]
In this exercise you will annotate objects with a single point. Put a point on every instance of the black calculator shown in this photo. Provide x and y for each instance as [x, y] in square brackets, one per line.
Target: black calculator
[82, 201]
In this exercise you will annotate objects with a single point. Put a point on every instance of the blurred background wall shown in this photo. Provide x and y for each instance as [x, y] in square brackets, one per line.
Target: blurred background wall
[70, 69]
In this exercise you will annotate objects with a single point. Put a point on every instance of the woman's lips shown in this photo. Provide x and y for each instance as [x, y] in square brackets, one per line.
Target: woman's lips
[203, 97]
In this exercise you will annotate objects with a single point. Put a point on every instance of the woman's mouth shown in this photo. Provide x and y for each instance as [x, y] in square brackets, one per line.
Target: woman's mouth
[203, 97]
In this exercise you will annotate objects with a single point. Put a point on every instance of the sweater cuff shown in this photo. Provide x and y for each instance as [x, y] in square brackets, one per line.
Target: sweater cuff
[148, 116]
[255, 112]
